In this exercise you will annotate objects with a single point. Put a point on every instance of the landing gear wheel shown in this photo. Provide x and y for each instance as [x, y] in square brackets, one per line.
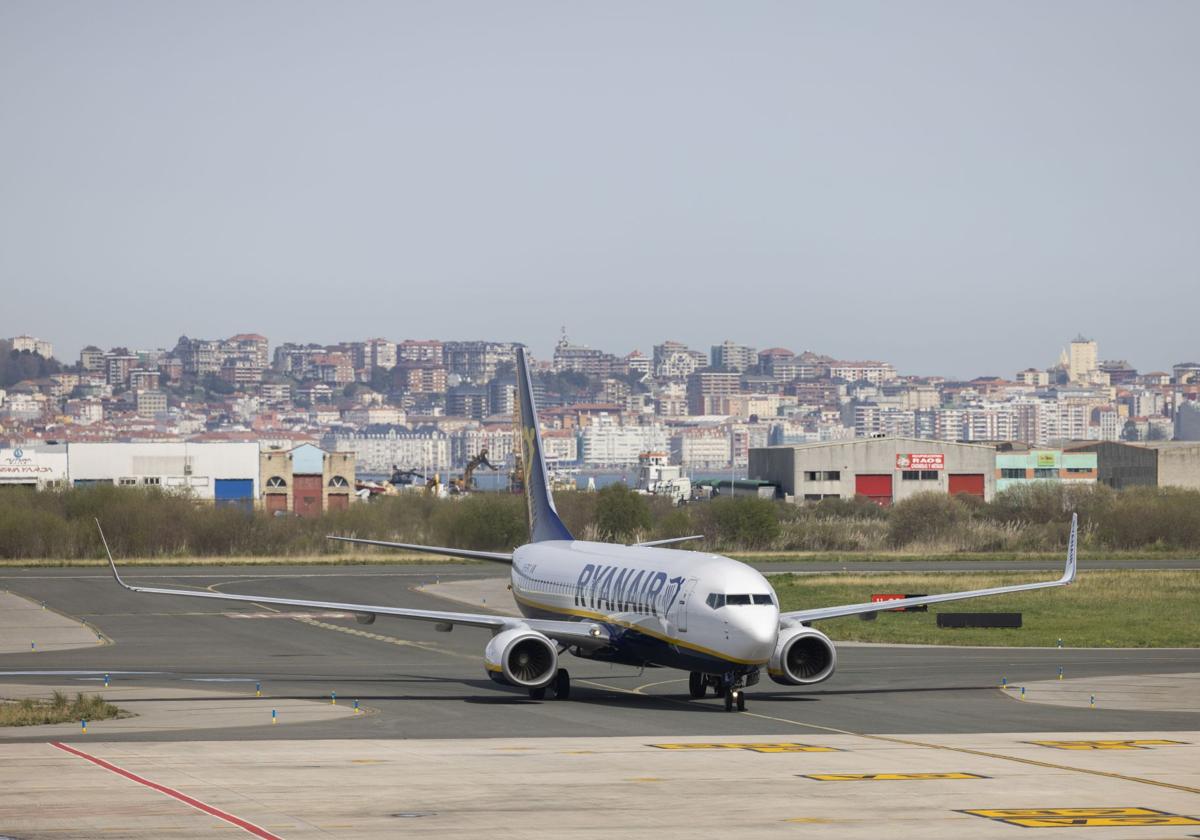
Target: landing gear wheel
[562, 684]
[537, 693]
[729, 701]
[741, 701]
[719, 689]
[696, 684]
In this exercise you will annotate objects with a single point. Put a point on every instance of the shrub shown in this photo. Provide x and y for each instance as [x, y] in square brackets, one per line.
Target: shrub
[620, 512]
[924, 517]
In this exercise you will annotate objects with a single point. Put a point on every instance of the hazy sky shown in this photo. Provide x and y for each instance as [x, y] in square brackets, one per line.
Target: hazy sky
[956, 187]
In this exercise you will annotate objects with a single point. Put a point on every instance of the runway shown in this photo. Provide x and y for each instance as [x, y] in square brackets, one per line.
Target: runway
[421, 683]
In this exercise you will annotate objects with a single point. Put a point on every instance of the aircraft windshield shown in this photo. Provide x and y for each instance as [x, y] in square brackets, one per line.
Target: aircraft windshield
[717, 600]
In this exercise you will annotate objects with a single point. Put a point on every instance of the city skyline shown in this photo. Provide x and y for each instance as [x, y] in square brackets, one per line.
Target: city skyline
[946, 186]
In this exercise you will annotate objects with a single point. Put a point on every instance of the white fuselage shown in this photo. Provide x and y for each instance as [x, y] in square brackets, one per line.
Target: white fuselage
[677, 609]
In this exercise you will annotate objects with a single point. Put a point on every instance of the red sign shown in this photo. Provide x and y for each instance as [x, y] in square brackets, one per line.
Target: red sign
[909, 461]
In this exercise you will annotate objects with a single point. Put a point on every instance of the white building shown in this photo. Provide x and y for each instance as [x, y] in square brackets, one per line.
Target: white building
[41, 465]
[27, 343]
[377, 448]
[701, 449]
[605, 443]
[225, 472]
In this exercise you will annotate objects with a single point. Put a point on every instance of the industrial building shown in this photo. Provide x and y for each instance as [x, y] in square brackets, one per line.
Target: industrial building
[306, 480]
[1014, 469]
[884, 470]
[1150, 464]
[37, 467]
[221, 472]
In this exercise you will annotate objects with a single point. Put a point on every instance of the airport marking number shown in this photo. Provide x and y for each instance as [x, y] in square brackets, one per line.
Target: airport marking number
[1106, 745]
[887, 777]
[1076, 817]
[752, 747]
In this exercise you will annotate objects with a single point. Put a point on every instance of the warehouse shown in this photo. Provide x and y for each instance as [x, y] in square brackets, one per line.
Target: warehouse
[1014, 469]
[1149, 464]
[306, 480]
[39, 466]
[220, 472]
[884, 470]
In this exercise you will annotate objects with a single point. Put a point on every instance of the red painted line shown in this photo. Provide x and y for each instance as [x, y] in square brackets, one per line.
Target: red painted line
[171, 792]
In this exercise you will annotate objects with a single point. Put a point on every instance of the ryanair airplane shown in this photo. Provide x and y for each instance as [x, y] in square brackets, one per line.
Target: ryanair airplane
[638, 605]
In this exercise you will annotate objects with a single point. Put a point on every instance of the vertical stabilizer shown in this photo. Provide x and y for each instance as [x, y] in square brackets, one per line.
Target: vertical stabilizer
[544, 523]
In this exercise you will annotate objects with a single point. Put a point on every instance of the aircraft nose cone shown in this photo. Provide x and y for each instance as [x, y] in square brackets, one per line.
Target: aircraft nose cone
[758, 630]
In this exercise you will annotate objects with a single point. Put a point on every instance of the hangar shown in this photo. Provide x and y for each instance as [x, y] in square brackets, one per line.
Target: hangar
[883, 469]
[220, 472]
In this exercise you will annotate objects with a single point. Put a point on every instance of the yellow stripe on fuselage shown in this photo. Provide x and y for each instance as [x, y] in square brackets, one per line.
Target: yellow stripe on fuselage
[608, 619]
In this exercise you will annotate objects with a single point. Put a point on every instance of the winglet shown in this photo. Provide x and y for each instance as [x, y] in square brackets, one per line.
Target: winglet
[111, 562]
[1072, 547]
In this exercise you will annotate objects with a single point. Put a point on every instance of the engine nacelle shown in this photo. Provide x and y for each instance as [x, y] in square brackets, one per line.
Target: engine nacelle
[802, 656]
[524, 658]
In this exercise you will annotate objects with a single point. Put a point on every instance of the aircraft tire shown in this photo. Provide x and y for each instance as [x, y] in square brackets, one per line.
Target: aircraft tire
[741, 701]
[562, 684]
[696, 685]
[537, 693]
[719, 689]
[729, 701]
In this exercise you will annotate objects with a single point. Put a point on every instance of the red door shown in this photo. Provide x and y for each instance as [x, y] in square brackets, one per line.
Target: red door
[339, 501]
[877, 488]
[969, 483]
[276, 503]
[306, 492]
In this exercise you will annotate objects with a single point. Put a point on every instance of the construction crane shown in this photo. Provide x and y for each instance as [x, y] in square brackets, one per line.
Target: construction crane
[466, 483]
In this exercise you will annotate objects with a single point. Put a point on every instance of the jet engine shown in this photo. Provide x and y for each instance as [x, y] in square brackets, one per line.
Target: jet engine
[523, 658]
[802, 656]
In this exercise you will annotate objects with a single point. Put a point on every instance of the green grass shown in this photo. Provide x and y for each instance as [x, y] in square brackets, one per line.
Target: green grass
[1149, 556]
[58, 709]
[1101, 609]
[383, 557]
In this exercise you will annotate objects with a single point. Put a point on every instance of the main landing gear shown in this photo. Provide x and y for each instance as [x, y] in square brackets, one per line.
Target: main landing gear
[560, 686]
[732, 689]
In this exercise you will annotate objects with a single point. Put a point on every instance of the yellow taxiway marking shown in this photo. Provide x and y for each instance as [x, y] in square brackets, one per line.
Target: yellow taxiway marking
[814, 726]
[766, 747]
[1138, 744]
[887, 777]
[891, 739]
[1074, 817]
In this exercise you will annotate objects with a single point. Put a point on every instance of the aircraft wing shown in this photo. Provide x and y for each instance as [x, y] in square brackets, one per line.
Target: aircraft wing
[582, 634]
[669, 541]
[494, 556]
[821, 613]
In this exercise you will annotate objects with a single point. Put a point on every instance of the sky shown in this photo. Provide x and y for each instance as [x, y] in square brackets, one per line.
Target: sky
[957, 188]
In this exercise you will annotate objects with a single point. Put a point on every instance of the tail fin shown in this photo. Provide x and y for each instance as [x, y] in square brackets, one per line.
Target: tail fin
[544, 523]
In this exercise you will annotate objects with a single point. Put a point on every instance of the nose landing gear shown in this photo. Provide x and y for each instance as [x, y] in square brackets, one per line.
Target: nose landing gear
[728, 686]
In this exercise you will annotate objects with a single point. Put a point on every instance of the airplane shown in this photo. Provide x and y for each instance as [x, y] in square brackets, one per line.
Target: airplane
[642, 605]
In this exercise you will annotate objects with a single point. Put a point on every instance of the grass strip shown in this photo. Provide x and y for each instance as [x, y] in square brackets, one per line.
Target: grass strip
[58, 709]
[1120, 608]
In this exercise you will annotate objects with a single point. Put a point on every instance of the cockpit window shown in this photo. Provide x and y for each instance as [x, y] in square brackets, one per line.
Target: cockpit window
[716, 600]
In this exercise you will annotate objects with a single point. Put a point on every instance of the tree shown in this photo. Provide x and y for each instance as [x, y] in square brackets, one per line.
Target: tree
[620, 512]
